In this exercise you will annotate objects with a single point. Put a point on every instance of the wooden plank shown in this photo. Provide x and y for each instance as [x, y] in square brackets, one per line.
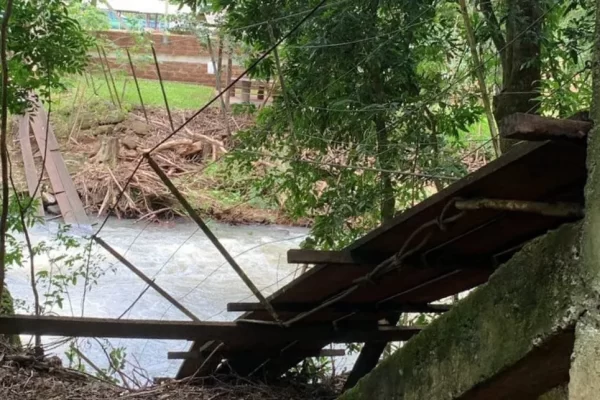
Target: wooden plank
[528, 172]
[562, 209]
[66, 195]
[39, 132]
[79, 215]
[191, 355]
[301, 256]
[31, 174]
[344, 307]
[183, 330]
[40, 118]
[538, 128]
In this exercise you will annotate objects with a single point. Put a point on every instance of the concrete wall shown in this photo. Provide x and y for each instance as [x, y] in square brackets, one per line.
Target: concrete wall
[499, 333]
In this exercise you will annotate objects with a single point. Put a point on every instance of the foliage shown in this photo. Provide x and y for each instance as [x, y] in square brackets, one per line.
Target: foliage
[565, 41]
[355, 77]
[89, 17]
[566, 54]
[45, 43]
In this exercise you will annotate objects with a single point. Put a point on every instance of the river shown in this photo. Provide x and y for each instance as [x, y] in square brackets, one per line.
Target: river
[184, 263]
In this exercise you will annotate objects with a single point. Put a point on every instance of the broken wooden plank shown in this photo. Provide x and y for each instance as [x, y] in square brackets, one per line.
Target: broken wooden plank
[194, 355]
[344, 307]
[202, 331]
[538, 128]
[302, 256]
[31, 174]
[67, 197]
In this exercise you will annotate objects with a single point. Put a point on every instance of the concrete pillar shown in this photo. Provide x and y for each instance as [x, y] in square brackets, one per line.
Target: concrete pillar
[246, 85]
[585, 366]
[261, 92]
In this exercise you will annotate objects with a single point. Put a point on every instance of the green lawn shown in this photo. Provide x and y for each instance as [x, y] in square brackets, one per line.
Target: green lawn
[181, 96]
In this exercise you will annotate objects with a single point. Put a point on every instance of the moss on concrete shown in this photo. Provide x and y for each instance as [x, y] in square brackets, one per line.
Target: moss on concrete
[591, 241]
[559, 393]
[538, 292]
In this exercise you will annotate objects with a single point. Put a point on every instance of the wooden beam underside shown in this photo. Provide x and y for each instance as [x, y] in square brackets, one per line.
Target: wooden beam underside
[191, 355]
[301, 256]
[343, 307]
[227, 332]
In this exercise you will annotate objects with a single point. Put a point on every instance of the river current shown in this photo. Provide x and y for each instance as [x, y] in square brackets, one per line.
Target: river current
[184, 263]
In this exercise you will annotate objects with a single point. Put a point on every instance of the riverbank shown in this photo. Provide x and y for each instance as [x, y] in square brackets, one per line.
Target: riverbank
[102, 147]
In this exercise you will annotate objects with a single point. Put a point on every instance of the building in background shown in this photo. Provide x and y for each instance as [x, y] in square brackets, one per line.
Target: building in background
[142, 14]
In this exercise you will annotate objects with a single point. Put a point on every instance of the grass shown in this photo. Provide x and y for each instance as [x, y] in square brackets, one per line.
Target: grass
[181, 96]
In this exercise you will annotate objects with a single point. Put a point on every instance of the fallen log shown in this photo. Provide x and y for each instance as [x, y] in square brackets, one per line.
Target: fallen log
[170, 145]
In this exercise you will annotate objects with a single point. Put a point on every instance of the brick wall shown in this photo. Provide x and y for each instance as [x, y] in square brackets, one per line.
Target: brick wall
[182, 58]
[173, 45]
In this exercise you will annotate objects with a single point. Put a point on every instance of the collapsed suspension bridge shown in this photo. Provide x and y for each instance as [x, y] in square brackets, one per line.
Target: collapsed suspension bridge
[449, 243]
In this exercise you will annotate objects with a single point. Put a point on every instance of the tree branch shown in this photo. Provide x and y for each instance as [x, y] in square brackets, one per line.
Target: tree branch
[486, 8]
[3, 147]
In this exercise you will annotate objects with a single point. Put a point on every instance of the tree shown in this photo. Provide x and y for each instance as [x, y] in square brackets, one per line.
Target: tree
[43, 43]
[351, 135]
[352, 138]
[529, 36]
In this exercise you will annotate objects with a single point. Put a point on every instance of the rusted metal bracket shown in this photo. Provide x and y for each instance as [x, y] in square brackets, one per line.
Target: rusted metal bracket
[211, 236]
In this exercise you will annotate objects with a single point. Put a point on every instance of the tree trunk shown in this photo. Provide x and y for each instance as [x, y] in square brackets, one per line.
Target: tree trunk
[480, 74]
[388, 202]
[108, 153]
[371, 351]
[521, 67]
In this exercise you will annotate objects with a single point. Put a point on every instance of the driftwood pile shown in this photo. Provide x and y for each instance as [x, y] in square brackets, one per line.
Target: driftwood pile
[114, 149]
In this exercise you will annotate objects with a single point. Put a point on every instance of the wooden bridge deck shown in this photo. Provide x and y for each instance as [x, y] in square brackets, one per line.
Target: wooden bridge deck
[66, 195]
[455, 258]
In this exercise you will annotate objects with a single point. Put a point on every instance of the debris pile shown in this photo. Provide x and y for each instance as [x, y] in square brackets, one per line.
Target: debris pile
[113, 148]
[25, 377]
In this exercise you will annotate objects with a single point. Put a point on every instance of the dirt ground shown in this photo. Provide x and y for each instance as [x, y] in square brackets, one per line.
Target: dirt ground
[24, 378]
